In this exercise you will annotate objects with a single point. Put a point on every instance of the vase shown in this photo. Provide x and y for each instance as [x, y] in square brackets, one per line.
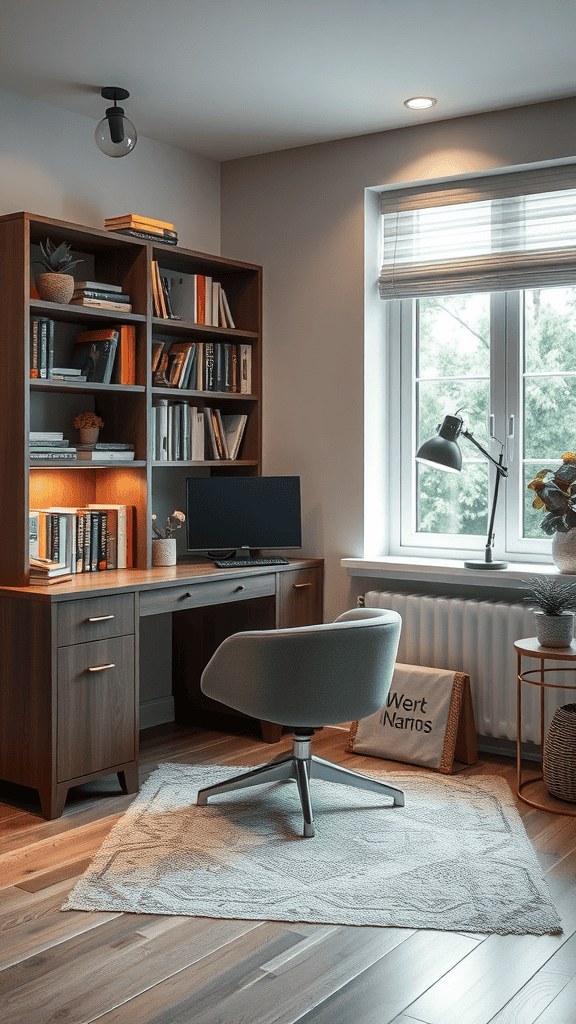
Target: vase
[55, 287]
[89, 435]
[559, 755]
[564, 551]
[555, 630]
[164, 551]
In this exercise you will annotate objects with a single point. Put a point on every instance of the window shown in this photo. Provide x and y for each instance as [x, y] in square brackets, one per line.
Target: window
[482, 320]
[507, 362]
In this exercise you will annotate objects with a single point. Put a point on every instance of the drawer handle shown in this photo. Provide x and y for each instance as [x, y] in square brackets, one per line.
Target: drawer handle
[240, 587]
[100, 668]
[100, 618]
[298, 586]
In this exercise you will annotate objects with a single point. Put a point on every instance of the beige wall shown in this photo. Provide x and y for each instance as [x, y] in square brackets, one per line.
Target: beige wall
[50, 165]
[300, 213]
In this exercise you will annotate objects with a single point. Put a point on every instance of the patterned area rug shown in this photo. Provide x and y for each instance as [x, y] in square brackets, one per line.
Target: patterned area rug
[455, 858]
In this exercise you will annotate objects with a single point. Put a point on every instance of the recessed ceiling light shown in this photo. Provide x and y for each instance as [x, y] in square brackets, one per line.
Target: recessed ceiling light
[420, 102]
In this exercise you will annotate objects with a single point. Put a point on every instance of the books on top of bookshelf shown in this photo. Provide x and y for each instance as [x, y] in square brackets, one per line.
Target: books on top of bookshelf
[143, 227]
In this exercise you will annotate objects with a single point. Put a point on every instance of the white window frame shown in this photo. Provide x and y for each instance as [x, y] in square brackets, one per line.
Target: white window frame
[504, 421]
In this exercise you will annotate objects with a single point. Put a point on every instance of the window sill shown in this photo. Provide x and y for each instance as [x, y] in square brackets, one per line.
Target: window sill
[433, 570]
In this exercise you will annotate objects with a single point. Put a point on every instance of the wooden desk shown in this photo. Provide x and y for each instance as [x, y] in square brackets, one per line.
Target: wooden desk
[70, 660]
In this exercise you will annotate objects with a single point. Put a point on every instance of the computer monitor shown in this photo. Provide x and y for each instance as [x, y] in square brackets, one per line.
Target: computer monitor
[234, 514]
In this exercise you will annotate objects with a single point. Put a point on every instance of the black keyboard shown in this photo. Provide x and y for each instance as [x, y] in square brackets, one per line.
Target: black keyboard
[247, 563]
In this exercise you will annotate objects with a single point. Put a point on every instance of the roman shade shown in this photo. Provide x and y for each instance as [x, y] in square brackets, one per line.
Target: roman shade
[494, 233]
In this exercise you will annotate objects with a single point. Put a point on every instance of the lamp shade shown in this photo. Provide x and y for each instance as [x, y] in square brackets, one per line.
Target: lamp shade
[442, 451]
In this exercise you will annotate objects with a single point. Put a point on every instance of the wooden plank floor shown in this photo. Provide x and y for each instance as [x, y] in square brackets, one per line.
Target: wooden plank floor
[144, 969]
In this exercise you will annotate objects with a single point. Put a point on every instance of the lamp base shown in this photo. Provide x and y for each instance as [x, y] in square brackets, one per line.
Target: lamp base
[485, 565]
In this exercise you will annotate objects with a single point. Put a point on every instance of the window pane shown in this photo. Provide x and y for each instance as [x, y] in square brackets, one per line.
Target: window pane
[453, 503]
[454, 336]
[550, 330]
[549, 418]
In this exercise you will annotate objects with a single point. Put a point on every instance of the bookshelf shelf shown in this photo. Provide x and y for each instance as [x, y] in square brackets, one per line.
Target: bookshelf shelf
[46, 404]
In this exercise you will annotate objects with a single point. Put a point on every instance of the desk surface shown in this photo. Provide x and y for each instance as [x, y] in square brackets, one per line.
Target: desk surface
[131, 580]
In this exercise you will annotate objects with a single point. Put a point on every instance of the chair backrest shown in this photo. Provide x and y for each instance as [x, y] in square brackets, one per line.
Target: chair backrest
[311, 675]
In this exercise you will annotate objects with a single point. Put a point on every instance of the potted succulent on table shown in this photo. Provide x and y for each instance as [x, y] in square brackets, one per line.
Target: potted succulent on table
[555, 610]
[57, 283]
[164, 544]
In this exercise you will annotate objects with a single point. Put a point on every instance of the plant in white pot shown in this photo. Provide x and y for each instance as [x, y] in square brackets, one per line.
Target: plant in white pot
[555, 602]
[164, 544]
[57, 283]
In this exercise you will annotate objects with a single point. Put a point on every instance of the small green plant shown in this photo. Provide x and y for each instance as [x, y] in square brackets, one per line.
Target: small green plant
[56, 259]
[551, 596]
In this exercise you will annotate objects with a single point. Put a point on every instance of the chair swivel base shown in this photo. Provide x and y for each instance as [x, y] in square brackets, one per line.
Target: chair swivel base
[300, 767]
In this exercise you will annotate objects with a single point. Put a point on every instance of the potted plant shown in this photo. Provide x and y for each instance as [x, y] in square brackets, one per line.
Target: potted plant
[164, 544]
[57, 283]
[89, 425]
[555, 491]
[555, 610]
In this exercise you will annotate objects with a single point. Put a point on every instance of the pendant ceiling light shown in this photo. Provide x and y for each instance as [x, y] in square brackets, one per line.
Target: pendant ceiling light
[115, 134]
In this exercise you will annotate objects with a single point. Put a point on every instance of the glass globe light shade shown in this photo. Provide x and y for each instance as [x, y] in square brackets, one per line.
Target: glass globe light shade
[104, 138]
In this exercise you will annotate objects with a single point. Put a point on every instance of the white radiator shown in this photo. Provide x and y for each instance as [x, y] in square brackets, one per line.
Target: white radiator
[476, 637]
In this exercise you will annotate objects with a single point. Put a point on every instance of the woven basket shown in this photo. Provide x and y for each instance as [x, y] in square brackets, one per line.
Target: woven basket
[559, 758]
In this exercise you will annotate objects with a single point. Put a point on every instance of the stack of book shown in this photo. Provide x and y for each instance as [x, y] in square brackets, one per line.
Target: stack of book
[41, 347]
[182, 432]
[104, 451]
[87, 539]
[143, 227]
[50, 444]
[99, 295]
[45, 571]
[203, 366]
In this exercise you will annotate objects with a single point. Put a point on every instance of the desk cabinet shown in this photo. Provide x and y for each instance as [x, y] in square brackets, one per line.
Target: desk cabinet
[70, 662]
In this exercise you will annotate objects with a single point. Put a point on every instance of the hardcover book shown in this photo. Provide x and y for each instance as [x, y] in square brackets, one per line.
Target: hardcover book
[94, 354]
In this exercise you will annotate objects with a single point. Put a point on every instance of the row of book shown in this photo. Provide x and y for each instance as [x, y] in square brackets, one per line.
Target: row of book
[197, 298]
[86, 539]
[105, 356]
[51, 444]
[182, 432]
[203, 366]
[143, 227]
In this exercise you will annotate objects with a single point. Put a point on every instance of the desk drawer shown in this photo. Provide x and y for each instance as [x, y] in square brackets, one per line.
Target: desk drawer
[95, 618]
[199, 595]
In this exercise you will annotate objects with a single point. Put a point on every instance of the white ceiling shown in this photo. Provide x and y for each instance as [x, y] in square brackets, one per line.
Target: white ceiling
[230, 78]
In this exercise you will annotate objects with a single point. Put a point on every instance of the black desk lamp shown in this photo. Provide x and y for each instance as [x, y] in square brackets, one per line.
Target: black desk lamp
[442, 452]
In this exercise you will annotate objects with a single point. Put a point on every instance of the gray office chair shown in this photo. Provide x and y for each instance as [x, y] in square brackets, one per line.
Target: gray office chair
[306, 678]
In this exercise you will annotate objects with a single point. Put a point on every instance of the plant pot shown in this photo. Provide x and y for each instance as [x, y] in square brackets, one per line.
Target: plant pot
[564, 551]
[88, 435]
[559, 755]
[55, 287]
[164, 551]
[555, 630]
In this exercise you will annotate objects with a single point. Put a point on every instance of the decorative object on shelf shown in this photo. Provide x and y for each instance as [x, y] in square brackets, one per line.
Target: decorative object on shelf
[57, 284]
[555, 618]
[555, 491]
[88, 424]
[559, 756]
[164, 544]
[442, 452]
[115, 135]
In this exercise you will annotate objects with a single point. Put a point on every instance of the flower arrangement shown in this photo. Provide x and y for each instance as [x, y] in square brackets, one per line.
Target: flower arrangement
[552, 597]
[86, 420]
[174, 522]
[557, 495]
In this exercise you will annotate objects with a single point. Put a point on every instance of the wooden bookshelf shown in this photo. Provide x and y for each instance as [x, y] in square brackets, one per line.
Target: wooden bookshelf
[41, 404]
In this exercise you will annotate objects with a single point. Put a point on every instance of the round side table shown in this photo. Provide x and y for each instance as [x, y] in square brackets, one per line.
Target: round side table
[530, 648]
